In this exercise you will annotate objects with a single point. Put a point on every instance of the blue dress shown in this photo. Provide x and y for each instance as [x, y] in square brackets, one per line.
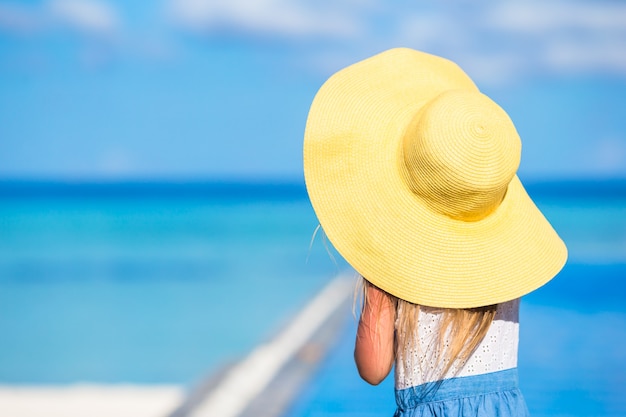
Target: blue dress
[486, 385]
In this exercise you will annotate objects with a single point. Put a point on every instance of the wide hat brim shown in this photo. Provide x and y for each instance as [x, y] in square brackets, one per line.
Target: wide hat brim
[386, 232]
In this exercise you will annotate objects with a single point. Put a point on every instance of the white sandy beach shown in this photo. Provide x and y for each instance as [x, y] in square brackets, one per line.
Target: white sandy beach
[86, 400]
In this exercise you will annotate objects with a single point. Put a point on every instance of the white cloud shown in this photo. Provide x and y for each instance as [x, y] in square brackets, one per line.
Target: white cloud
[88, 16]
[85, 16]
[18, 18]
[540, 17]
[573, 55]
[430, 30]
[609, 155]
[268, 17]
[101, 28]
[116, 162]
[564, 36]
[495, 41]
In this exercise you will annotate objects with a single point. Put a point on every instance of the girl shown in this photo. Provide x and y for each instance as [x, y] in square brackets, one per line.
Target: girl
[412, 174]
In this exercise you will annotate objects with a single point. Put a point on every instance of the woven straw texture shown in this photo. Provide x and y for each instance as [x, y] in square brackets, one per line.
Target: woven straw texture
[411, 172]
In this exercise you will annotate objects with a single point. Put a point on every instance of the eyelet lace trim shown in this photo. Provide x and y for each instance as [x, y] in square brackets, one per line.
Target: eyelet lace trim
[497, 351]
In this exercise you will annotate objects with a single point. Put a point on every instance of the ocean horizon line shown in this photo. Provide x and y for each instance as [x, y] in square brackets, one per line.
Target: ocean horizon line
[153, 188]
[258, 188]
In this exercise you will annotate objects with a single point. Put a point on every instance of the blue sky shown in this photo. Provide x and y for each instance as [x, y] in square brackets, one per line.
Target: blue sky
[206, 89]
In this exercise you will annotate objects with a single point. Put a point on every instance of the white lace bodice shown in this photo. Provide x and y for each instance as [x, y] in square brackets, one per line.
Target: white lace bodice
[497, 351]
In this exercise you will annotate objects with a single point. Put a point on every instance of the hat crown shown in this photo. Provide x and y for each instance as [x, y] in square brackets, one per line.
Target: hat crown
[461, 151]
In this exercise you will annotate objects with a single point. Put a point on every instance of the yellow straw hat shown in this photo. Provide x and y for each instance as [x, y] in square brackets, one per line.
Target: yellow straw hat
[412, 174]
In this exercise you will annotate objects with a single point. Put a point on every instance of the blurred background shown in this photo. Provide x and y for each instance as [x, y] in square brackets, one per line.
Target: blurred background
[154, 225]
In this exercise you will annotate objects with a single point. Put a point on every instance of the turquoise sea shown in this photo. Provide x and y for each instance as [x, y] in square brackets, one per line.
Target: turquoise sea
[157, 283]
[152, 283]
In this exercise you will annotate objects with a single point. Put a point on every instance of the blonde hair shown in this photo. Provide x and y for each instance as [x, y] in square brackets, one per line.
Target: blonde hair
[460, 333]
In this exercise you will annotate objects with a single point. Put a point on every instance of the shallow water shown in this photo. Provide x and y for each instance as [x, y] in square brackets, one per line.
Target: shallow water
[148, 290]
